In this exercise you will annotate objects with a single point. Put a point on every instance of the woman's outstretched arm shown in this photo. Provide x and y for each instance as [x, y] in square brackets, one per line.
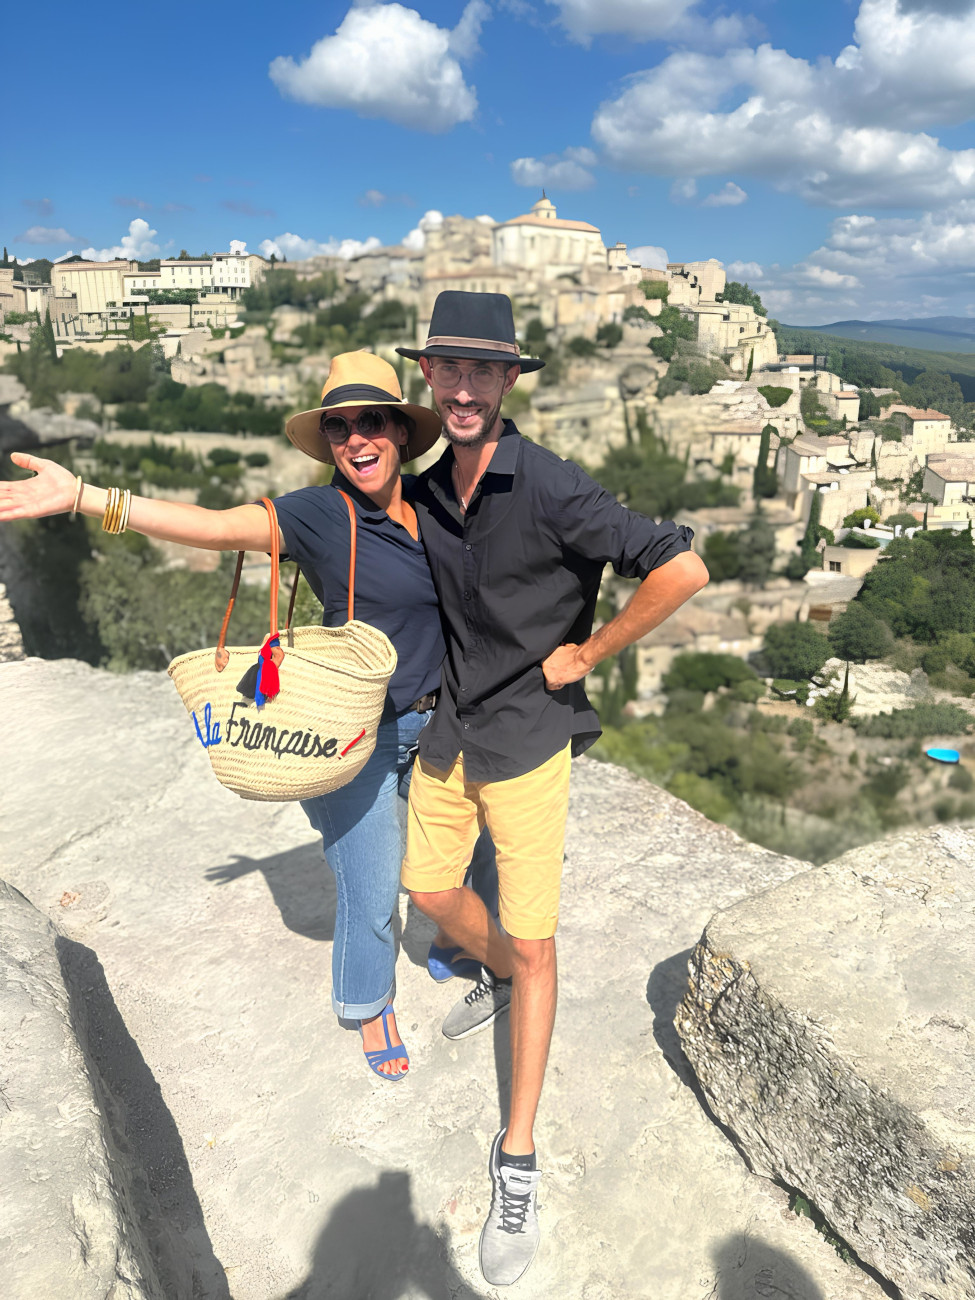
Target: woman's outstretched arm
[52, 492]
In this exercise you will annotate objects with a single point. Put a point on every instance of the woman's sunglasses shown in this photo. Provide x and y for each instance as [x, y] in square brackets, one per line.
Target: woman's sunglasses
[336, 427]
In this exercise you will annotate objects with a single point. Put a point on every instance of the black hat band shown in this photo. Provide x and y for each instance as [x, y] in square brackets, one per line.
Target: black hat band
[358, 393]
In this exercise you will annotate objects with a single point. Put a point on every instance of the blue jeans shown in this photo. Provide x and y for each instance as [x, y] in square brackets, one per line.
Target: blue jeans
[361, 835]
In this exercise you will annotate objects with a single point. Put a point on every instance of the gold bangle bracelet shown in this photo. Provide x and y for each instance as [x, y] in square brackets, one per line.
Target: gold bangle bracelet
[79, 487]
[116, 517]
[126, 507]
[111, 505]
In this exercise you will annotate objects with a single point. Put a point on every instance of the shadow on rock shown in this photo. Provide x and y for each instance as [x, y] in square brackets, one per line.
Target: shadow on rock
[166, 1210]
[748, 1269]
[665, 989]
[301, 884]
[373, 1247]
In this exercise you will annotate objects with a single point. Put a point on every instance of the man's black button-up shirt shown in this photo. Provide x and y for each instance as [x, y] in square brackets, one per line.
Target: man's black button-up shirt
[518, 575]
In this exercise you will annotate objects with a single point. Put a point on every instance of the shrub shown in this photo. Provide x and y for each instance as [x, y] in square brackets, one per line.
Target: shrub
[257, 459]
[610, 334]
[655, 289]
[775, 396]
[795, 650]
[223, 456]
[706, 672]
[914, 723]
[581, 347]
[857, 542]
[858, 634]
[857, 517]
[636, 312]
[664, 346]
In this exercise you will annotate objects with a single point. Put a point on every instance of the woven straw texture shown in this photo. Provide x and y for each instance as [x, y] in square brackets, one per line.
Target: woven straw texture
[314, 736]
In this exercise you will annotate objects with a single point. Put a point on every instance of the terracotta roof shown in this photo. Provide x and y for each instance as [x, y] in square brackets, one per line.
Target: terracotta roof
[914, 413]
[550, 223]
[954, 468]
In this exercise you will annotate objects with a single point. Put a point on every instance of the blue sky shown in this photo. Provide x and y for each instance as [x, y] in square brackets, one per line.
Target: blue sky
[823, 152]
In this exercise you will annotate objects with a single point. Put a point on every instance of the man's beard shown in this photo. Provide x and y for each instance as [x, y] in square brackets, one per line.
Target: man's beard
[470, 437]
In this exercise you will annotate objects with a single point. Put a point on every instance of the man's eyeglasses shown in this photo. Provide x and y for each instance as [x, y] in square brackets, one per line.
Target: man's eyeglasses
[482, 378]
[368, 423]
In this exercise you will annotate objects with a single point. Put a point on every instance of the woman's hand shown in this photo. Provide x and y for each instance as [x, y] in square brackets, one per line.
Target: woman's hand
[50, 492]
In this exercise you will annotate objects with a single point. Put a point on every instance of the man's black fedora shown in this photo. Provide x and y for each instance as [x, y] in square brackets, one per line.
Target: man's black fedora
[479, 326]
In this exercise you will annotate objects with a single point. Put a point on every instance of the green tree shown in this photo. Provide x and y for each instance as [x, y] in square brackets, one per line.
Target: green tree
[609, 335]
[859, 635]
[765, 481]
[735, 291]
[796, 651]
[580, 346]
[722, 555]
[756, 547]
[706, 672]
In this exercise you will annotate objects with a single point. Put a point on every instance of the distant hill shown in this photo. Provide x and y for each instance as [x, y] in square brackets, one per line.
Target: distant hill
[856, 358]
[930, 333]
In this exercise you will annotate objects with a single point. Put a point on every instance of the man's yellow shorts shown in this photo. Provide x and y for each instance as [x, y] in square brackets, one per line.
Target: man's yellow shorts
[526, 817]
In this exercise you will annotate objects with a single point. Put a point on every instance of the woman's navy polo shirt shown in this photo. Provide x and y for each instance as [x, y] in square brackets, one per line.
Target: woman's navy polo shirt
[393, 587]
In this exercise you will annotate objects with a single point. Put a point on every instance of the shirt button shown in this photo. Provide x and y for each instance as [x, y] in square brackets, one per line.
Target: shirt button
[467, 726]
[467, 595]
[468, 547]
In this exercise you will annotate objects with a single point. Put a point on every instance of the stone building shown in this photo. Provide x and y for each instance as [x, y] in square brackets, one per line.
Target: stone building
[542, 242]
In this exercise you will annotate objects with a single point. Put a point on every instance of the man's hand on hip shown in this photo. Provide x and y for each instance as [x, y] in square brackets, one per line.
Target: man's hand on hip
[564, 665]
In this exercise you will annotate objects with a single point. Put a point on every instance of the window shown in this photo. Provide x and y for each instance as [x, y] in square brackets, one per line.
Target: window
[834, 566]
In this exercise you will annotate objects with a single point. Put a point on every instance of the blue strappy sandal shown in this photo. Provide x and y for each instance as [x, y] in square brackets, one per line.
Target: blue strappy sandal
[390, 1053]
[443, 965]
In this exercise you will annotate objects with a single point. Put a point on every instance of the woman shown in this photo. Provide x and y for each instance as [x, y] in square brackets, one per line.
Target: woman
[365, 429]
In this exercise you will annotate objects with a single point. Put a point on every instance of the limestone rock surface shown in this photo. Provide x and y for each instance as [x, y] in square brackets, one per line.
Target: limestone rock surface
[70, 1220]
[279, 1167]
[830, 1022]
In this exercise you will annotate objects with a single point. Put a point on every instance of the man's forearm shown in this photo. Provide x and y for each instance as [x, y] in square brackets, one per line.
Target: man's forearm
[659, 594]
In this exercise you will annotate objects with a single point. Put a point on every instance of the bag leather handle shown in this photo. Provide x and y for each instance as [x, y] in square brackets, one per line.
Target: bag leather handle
[221, 656]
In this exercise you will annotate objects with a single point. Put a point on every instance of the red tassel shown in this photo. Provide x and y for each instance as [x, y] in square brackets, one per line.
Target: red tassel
[268, 682]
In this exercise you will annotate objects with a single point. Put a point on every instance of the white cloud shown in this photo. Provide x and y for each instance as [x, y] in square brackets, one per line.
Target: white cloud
[464, 37]
[650, 256]
[876, 267]
[137, 245]
[385, 61]
[372, 199]
[417, 237]
[744, 271]
[44, 235]
[485, 219]
[848, 132]
[565, 171]
[296, 249]
[647, 20]
[683, 190]
[729, 196]
[238, 246]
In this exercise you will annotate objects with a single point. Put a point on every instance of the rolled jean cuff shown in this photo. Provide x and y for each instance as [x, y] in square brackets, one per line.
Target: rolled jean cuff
[361, 1010]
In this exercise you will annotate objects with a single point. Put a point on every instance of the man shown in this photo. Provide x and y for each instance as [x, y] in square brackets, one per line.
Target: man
[517, 540]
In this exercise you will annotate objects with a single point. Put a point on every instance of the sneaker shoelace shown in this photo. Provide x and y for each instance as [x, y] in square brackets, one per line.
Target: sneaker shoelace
[514, 1209]
[481, 989]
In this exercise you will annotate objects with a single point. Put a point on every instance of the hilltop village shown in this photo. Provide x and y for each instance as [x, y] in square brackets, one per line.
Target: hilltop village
[672, 353]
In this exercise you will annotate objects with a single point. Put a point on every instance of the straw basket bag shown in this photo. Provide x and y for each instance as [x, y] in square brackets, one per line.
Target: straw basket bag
[288, 721]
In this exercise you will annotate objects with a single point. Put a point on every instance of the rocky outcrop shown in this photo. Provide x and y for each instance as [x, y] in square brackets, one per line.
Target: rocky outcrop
[11, 641]
[279, 1166]
[830, 1024]
[70, 1221]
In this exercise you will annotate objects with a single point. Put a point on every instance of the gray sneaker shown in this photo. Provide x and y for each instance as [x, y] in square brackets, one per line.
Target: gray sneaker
[509, 1238]
[488, 999]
